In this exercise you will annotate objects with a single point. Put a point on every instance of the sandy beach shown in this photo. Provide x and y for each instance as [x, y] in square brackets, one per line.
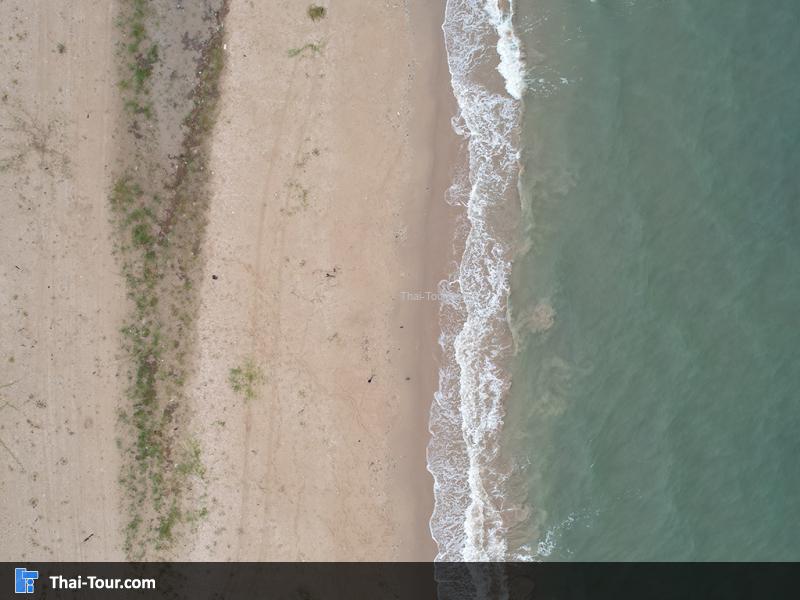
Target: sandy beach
[309, 367]
[327, 191]
[61, 296]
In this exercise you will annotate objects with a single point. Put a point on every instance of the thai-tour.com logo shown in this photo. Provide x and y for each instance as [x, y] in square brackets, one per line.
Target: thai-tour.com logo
[24, 580]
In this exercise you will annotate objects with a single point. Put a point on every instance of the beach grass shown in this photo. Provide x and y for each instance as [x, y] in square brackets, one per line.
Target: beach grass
[316, 12]
[163, 473]
[245, 379]
[310, 48]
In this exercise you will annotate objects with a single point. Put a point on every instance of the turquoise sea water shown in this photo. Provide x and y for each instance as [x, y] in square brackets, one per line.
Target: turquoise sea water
[658, 416]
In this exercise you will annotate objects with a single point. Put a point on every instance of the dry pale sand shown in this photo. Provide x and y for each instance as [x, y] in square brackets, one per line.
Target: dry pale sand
[328, 176]
[328, 204]
[61, 299]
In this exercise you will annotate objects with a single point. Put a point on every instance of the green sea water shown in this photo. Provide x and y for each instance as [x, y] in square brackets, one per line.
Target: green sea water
[658, 416]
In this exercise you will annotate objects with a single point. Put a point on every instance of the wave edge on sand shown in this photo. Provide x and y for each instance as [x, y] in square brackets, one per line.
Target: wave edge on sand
[467, 413]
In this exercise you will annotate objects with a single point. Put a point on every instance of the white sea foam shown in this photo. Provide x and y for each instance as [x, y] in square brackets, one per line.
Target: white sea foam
[467, 412]
[512, 63]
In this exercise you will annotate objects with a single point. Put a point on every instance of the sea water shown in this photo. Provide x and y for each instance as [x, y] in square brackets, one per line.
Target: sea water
[620, 376]
[654, 410]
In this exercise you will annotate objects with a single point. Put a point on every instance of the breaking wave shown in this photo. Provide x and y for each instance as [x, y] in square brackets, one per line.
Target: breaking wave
[467, 413]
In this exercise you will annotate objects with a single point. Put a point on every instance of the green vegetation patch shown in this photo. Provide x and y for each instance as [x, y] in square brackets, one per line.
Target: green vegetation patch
[245, 379]
[311, 49]
[158, 224]
[141, 56]
[315, 12]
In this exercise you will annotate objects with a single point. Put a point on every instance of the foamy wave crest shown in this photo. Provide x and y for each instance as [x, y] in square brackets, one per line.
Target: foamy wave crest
[512, 63]
[467, 412]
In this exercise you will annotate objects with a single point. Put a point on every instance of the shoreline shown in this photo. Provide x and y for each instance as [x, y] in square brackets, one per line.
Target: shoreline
[437, 153]
[472, 513]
